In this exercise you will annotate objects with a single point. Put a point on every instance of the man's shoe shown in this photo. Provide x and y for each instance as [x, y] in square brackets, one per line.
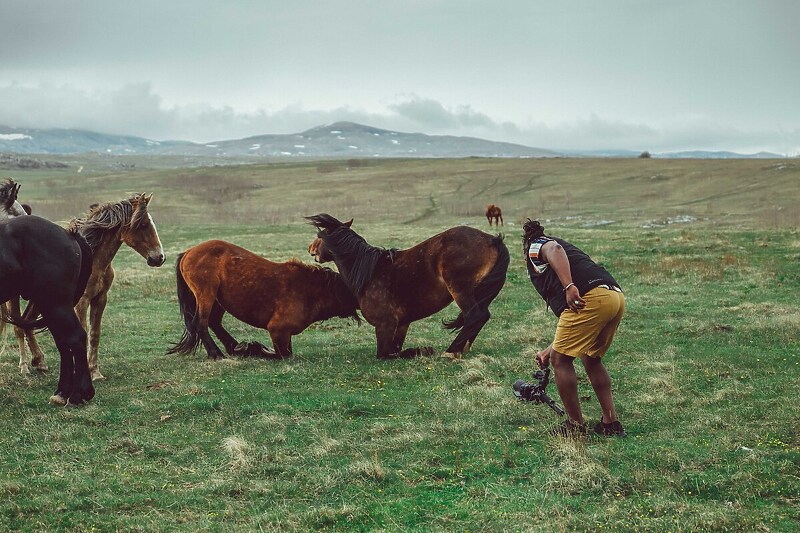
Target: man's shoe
[611, 429]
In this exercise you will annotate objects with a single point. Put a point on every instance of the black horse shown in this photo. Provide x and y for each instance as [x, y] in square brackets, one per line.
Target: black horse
[397, 287]
[48, 265]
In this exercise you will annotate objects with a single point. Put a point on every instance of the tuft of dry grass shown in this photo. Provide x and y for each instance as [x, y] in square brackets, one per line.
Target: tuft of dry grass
[238, 451]
[368, 469]
[576, 472]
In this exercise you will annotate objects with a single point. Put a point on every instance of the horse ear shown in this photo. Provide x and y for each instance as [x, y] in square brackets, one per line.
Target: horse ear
[147, 197]
[349, 223]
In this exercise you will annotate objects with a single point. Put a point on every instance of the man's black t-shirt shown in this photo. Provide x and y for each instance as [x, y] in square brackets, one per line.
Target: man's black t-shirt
[586, 274]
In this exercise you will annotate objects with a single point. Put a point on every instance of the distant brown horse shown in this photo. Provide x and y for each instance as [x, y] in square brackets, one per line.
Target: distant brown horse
[216, 277]
[106, 227]
[397, 287]
[494, 212]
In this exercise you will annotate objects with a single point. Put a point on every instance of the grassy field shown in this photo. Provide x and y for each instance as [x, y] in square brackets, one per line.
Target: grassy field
[706, 366]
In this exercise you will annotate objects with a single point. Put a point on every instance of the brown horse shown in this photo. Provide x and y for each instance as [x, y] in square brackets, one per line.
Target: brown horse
[106, 227]
[494, 212]
[397, 287]
[216, 277]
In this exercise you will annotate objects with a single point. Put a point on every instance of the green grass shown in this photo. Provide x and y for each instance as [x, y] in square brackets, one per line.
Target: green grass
[705, 367]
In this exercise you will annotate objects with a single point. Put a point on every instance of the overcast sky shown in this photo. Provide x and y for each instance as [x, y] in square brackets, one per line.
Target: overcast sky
[573, 74]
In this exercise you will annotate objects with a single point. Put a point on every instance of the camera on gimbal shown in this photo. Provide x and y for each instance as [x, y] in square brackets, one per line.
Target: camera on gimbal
[535, 391]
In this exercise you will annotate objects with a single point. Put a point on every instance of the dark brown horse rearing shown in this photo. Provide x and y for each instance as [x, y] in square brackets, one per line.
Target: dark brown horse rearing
[216, 277]
[494, 212]
[397, 287]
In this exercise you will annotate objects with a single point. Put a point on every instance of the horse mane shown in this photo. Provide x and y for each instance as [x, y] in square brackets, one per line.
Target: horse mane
[7, 186]
[333, 279]
[350, 250]
[356, 256]
[8, 192]
[110, 216]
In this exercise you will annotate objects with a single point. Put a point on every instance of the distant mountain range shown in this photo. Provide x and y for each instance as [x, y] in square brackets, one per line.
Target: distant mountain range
[341, 139]
[337, 140]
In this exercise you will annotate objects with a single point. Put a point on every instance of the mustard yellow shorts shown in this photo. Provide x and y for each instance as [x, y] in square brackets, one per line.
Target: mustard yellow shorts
[591, 330]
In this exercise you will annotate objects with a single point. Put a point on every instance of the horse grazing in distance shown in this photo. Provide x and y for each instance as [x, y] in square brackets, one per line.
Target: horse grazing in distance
[397, 287]
[49, 266]
[494, 212]
[216, 277]
[106, 227]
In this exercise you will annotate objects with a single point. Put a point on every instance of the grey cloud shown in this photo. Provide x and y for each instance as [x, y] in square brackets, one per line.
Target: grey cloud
[432, 114]
[136, 109]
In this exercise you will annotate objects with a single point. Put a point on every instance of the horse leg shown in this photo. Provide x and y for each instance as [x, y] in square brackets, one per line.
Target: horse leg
[206, 299]
[474, 320]
[96, 309]
[37, 355]
[470, 312]
[208, 343]
[281, 342]
[215, 323]
[397, 345]
[74, 382]
[385, 337]
[19, 333]
[12, 309]
[501, 220]
[399, 338]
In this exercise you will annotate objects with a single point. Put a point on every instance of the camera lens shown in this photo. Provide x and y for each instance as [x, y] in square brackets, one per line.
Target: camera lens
[522, 389]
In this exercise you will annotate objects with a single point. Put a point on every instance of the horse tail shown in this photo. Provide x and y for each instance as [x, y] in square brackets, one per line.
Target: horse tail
[87, 259]
[24, 323]
[188, 307]
[471, 321]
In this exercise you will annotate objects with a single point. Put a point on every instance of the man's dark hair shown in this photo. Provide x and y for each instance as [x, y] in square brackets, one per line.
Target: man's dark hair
[530, 230]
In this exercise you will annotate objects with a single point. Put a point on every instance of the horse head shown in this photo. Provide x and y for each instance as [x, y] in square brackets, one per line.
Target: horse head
[9, 206]
[141, 234]
[325, 224]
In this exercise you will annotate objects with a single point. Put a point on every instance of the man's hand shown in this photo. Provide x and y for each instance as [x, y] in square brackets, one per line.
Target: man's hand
[574, 300]
[543, 358]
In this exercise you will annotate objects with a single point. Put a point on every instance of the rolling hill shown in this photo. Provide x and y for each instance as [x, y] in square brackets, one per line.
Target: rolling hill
[341, 139]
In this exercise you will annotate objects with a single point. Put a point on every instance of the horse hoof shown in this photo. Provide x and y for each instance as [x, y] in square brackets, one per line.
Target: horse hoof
[23, 369]
[42, 368]
[58, 400]
[97, 376]
[452, 356]
[426, 351]
[408, 353]
[241, 349]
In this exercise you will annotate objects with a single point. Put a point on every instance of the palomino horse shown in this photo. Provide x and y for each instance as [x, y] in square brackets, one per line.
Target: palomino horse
[47, 265]
[397, 287]
[494, 212]
[216, 277]
[106, 227]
